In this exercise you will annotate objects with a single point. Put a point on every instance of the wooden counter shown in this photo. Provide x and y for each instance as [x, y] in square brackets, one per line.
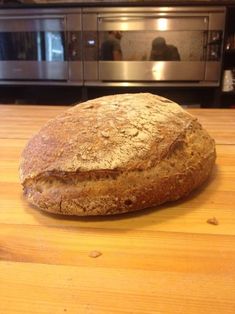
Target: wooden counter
[163, 260]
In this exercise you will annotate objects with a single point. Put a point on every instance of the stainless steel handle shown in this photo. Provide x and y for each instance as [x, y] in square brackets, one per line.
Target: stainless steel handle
[153, 22]
[123, 18]
[33, 17]
[22, 23]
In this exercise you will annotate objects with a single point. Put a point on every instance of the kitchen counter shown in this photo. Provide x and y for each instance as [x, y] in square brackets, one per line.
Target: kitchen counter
[160, 260]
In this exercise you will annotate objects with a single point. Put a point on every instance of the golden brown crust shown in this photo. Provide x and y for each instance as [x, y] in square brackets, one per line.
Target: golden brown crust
[116, 154]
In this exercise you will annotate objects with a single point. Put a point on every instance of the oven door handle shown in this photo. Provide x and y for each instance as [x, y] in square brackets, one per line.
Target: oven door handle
[124, 17]
[33, 17]
[33, 23]
[153, 22]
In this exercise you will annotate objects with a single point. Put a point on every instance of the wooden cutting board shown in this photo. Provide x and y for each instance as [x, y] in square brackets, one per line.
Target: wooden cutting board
[161, 260]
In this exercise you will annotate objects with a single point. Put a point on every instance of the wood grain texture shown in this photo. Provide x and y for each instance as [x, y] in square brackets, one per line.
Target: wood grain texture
[161, 260]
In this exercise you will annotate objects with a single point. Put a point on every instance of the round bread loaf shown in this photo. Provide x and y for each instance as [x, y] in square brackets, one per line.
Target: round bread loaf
[116, 154]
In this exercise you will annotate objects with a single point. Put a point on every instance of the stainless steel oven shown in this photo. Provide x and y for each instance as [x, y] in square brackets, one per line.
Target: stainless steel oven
[40, 45]
[153, 45]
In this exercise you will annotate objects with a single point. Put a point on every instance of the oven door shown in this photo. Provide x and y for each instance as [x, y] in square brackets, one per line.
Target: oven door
[152, 47]
[33, 48]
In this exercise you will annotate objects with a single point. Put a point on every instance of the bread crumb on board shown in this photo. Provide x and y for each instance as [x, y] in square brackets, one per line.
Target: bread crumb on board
[94, 254]
[213, 221]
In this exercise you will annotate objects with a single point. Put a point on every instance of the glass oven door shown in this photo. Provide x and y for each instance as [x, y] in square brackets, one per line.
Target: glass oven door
[133, 47]
[33, 48]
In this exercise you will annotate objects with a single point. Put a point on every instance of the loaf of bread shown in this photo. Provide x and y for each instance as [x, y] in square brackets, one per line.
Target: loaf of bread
[116, 154]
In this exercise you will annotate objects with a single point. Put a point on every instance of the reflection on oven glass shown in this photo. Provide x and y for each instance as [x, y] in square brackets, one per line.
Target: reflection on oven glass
[54, 46]
[152, 45]
[111, 46]
[161, 51]
[32, 46]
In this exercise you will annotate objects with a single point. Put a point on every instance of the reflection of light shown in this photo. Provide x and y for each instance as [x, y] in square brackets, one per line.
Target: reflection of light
[162, 24]
[158, 70]
[124, 26]
[125, 70]
[91, 42]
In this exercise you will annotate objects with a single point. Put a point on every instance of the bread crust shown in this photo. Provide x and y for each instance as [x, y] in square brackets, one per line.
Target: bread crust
[116, 154]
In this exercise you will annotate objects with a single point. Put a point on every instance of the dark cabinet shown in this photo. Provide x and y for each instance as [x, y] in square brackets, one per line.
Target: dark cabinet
[227, 92]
